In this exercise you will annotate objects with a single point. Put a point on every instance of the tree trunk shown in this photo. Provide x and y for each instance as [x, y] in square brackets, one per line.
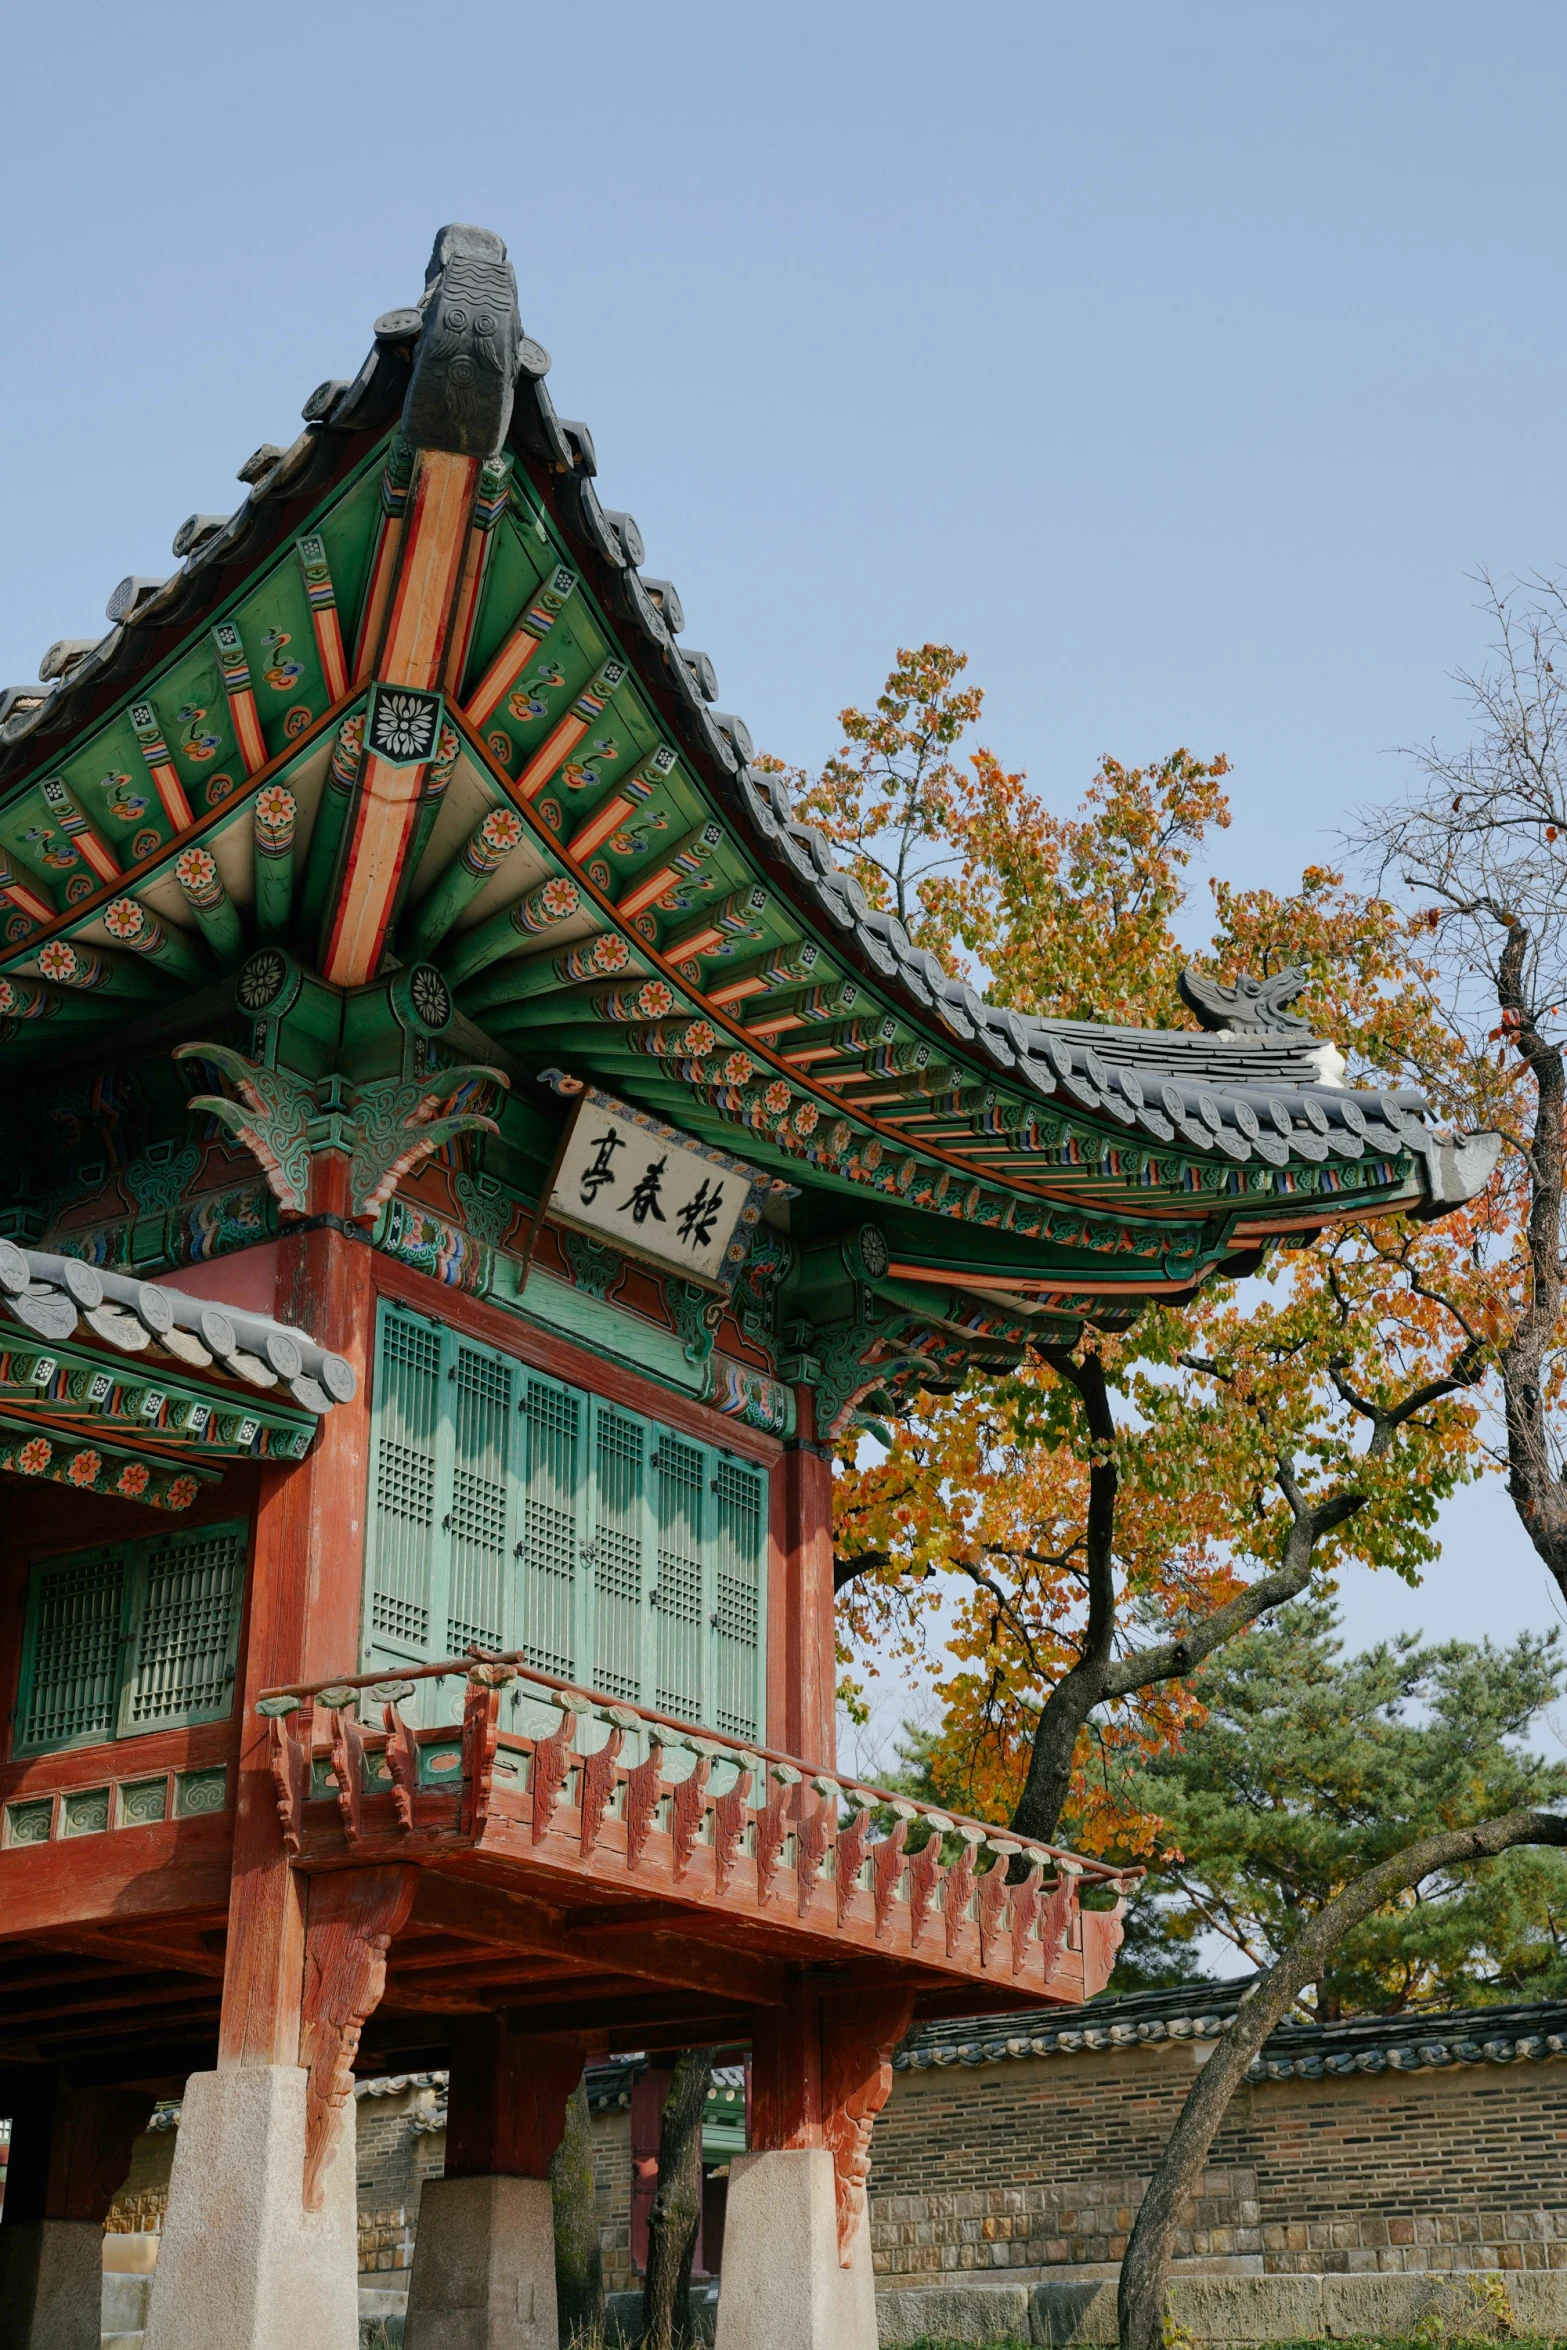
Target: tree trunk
[1145, 2270]
[579, 2264]
[677, 2206]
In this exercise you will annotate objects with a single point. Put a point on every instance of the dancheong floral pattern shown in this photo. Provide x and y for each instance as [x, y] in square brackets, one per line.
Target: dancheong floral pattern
[133, 1481]
[181, 1493]
[403, 725]
[35, 1456]
[84, 1470]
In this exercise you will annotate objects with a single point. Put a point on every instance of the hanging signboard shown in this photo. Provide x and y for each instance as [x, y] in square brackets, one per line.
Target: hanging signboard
[653, 1192]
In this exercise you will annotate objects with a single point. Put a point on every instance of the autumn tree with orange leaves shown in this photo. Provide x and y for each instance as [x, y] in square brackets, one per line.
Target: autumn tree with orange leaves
[1086, 1530]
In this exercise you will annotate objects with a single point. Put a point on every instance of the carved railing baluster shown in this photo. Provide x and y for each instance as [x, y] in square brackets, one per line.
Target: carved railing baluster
[992, 1901]
[813, 1835]
[481, 1729]
[347, 1762]
[688, 1806]
[402, 1760]
[959, 1885]
[852, 1841]
[887, 1867]
[644, 1785]
[925, 1875]
[772, 1827]
[731, 1811]
[596, 1782]
[290, 1728]
[1056, 1916]
[552, 1761]
[1025, 1909]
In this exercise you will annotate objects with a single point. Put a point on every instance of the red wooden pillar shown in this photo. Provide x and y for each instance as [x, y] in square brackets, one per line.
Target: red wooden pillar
[506, 2104]
[807, 1563]
[302, 1624]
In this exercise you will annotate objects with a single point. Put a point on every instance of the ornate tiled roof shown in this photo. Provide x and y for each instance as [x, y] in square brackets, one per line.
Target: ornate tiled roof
[1204, 2011]
[53, 1295]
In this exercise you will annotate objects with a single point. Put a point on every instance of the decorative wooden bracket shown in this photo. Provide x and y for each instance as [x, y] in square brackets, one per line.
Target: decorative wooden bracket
[731, 1810]
[643, 1787]
[402, 1760]
[481, 1729]
[551, 1766]
[859, 2033]
[1025, 1908]
[924, 1875]
[290, 1728]
[687, 1804]
[813, 1835]
[352, 1917]
[852, 1841]
[271, 1118]
[992, 1901]
[597, 1784]
[772, 1826]
[887, 1868]
[959, 1886]
[397, 1127]
[348, 1766]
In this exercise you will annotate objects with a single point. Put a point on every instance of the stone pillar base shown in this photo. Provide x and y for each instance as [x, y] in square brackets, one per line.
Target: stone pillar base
[51, 2284]
[783, 2288]
[242, 2265]
[484, 2266]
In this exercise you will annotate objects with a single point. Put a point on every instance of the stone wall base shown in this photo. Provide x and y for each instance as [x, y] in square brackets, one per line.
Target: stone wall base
[1233, 2309]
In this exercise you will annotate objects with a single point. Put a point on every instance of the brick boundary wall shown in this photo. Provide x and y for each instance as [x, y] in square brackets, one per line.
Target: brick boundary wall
[1033, 2166]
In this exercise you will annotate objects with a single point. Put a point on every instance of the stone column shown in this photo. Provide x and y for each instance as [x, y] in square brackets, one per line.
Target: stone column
[243, 2265]
[484, 2257]
[797, 2248]
[70, 2150]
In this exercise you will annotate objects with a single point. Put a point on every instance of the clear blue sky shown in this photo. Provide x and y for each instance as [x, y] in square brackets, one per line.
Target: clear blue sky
[1179, 363]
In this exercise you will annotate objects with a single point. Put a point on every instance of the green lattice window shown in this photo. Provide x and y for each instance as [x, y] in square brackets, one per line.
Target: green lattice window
[514, 1511]
[134, 1637]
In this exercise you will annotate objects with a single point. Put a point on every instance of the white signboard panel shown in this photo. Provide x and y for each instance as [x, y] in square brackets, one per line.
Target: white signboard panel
[652, 1192]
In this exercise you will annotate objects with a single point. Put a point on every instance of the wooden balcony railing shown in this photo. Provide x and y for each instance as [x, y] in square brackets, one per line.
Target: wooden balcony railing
[605, 1802]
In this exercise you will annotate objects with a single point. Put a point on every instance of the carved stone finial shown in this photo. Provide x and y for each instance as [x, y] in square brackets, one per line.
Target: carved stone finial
[469, 346]
[1252, 1007]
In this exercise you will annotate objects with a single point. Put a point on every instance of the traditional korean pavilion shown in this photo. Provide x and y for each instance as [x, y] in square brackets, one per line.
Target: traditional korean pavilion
[466, 1152]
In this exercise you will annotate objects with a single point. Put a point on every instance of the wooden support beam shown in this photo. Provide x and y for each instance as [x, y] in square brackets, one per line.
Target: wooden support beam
[328, 627]
[688, 856]
[412, 652]
[303, 1622]
[83, 837]
[624, 799]
[234, 669]
[563, 738]
[519, 649]
[148, 729]
[692, 1960]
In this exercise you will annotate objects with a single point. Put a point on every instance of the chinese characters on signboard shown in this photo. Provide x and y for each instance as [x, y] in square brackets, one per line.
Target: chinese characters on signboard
[649, 1192]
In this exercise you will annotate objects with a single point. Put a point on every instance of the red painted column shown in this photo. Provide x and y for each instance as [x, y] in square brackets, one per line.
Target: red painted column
[810, 1667]
[307, 1579]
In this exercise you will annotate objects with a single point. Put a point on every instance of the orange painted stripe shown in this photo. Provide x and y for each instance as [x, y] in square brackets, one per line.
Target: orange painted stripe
[435, 541]
[550, 755]
[171, 795]
[598, 827]
[247, 730]
[329, 651]
[26, 902]
[380, 828]
[98, 854]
